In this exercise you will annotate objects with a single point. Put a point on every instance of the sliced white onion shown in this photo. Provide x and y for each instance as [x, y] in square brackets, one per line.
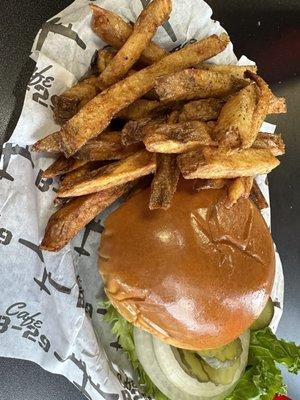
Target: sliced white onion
[165, 371]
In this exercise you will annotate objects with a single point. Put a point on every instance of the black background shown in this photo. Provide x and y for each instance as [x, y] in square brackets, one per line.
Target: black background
[267, 32]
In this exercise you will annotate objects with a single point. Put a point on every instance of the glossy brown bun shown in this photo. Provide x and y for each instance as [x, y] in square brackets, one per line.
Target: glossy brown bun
[197, 275]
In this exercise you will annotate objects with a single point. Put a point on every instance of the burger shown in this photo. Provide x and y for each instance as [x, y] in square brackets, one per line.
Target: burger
[189, 297]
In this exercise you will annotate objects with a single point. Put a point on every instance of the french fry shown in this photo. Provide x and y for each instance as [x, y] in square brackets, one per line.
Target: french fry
[61, 166]
[257, 197]
[141, 108]
[65, 223]
[236, 71]
[201, 110]
[196, 84]
[164, 182]
[48, 144]
[173, 116]
[113, 30]
[105, 56]
[277, 105]
[177, 138]
[144, 29]
[201, 184]
[106, 147]
[273, 142]
[78, 174]
[238, 188]
[235, 122]
[68, 103]
[140, 164]
[133, 131]
[210, 163]
[95, 116]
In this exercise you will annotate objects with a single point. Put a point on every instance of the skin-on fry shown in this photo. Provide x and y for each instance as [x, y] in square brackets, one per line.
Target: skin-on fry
[78, 174]
[173, 117]
[140, 164]
[238, 188]
[65, 223]
[105, 56]
[49, 144]
[277, 105]
[139, 109]
[201, 110]
[273, 142]
[196, 84]
[133, 131]
[164, 182]
[107, 147]
[201, 184]
[97, 114]
[68, 103]
[234, 125]
[177, 138]
[61, 166]
[210, 163]
[113, 30]
[236, 71]
[257, 197]
[144, 29]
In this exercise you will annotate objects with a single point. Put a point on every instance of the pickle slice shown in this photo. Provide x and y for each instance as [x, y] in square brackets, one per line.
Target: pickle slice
[193, 365]
[221, 376]
[229, 352]
[265, 317]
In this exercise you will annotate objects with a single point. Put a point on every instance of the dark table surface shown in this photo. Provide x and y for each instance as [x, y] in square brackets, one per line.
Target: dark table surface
[267, 32]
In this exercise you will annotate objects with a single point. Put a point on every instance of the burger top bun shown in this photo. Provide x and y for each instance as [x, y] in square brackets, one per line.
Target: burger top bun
[197, 275]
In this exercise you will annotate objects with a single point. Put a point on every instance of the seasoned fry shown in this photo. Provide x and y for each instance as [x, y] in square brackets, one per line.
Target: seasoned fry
[165, 181]
[196, 84]
[234, 125]
[173, 116]
[48, 144]
[139, 109]
[201, 184]
[106, 147]
[65, 223]
[104, 58]
[139, 164]
[257, 197]
[67, 104]
[238, 188]
[273, 142]
[177, 138]
[61, 166]
[97, 114]
[236, 71]
[133, 131]
[113, 30]
[277, 105]
[77, 174]
[144, 29]
[210, 163]
[201, 110]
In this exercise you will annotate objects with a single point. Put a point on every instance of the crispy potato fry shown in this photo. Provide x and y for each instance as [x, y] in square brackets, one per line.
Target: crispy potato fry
[76, 175]
[133, 131]
[139, 164]
[106, 147]
[61, 166]
[273, 142]
[196, 84]
[201, 110]
[97, 114]
[234, 125]
[277, 105]
[173, 117]
[141, 108]
[210, 163]
[144, 29]
[201, 184]
[105, 56]
[65, 223]
[236, 71]
[238, 188]
[68, 103]
[257, 197]
[113, 30]
[165, 181]
[49, 144]
[177, 138]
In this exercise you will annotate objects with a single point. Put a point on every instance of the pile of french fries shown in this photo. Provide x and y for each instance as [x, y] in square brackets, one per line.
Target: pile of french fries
[148, 112]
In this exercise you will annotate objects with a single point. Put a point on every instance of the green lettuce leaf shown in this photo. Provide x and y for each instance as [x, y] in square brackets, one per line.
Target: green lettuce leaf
[123, 330]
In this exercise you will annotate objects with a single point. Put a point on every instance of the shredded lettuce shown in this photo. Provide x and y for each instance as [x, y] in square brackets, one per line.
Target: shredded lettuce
[123, 330]
[261, 380]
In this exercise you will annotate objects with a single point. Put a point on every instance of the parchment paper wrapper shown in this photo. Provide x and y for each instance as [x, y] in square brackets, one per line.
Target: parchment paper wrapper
[49, 307]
